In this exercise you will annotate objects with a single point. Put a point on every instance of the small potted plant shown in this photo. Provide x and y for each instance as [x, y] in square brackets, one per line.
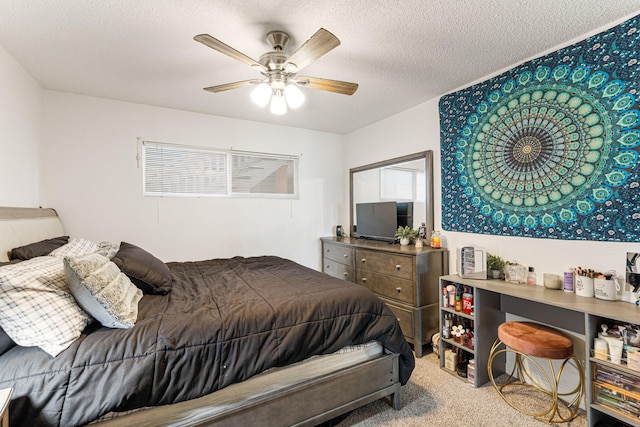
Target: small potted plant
[495, 264]
[405, 234]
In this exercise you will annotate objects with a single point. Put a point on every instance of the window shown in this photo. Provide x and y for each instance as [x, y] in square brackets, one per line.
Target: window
[398, 183]
[179, 170]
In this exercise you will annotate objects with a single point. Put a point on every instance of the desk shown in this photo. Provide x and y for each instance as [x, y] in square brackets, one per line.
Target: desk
[566, 310]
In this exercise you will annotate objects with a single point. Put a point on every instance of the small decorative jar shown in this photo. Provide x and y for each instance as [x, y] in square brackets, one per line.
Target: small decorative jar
[515, 273]
[436, 239]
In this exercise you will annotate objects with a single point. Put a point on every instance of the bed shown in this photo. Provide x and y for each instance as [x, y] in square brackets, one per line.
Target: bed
[239, 341]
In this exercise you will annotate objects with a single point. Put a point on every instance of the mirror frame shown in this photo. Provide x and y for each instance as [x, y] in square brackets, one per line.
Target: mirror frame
[428, 158]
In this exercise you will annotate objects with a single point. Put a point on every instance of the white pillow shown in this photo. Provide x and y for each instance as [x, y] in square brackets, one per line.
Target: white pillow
[108, 249]
[77, 246]
[36, 306]
[103, 290]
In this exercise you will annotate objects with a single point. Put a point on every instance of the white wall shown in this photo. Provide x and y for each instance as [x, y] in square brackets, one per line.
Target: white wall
[91, 176]
[20, 116]
[418, 129]
[89, 173]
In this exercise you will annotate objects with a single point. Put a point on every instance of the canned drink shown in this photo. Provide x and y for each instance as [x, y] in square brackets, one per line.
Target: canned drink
[467, 303]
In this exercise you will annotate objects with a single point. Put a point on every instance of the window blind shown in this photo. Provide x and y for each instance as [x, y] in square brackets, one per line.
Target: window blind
[179, 170]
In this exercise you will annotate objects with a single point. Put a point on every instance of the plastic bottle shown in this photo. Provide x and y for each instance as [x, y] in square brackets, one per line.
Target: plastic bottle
[458, 306]
[446, 327]
[531, 277]
[452, 295]
[422, 231]
[567, 284]
[471, 370]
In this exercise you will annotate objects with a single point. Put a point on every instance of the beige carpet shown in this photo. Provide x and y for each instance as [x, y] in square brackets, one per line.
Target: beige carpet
[432, 397]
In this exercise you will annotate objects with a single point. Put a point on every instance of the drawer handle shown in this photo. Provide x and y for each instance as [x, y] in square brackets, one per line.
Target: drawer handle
[345, 255]
[364, 280]
[327, 266]
[398, 267]
[345, 273]
[398, 289]
[364, 260]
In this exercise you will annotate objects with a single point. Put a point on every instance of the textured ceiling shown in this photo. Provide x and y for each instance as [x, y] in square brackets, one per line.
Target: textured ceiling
[402, 53]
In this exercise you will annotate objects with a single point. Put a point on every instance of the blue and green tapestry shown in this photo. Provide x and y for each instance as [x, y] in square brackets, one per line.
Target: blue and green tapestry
[550, 148]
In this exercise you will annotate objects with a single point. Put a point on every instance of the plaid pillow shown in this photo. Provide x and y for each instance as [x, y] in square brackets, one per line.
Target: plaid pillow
[76, 247]
[36, 306]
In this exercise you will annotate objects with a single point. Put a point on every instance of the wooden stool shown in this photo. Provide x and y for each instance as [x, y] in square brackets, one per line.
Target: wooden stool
[528, 340]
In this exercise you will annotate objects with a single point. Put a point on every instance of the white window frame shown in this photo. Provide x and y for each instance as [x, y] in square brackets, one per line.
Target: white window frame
[393, 189]
[231, 170]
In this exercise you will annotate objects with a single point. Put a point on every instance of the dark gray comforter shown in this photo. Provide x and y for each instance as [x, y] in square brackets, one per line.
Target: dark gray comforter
[224, 321]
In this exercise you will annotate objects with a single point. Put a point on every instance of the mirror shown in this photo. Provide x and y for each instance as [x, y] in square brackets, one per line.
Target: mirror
[633, 271]
[403, 179]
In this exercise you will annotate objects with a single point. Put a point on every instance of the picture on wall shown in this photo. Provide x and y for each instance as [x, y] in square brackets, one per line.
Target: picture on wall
[549, 149]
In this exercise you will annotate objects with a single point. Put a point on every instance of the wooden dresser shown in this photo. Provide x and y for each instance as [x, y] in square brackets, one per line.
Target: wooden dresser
[404, 277]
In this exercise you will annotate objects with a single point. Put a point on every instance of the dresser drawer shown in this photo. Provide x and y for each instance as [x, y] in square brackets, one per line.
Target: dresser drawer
[391, 287]
[385, 263]
[338, 270]
[338, 253]
[405, 318]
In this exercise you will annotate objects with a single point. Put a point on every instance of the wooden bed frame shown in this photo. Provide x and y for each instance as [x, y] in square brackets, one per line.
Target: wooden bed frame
[308, 403]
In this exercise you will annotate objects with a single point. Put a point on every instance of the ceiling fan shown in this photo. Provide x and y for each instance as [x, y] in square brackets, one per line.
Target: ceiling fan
[279, 70]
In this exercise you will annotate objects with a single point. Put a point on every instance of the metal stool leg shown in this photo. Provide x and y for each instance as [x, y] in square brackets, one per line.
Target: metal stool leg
[520, 376]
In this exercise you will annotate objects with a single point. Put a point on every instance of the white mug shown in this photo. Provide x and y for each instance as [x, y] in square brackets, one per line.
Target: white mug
[584, 286]
[606, 289]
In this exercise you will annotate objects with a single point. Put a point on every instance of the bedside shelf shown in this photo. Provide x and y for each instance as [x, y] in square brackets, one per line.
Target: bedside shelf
[483, 321]
[457, 344]
[458, 313]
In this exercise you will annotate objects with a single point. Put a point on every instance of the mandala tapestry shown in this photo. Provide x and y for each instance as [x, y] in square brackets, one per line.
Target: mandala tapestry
[550, 148]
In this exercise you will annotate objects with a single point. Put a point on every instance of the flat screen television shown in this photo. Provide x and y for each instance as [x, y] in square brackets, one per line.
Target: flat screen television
[380, 220]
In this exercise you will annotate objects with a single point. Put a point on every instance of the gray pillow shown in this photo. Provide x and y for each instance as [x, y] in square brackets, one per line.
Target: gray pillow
[6, 343]
[147, 272]
[41, 248]
[102, 290]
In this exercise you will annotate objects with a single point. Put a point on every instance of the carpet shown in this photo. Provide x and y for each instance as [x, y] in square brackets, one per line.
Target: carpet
[433, 397]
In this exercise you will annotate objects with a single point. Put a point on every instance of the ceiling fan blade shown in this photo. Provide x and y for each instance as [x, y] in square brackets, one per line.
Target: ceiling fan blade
[229, 86]
[336, 86]
[216, 44]
[319, 44]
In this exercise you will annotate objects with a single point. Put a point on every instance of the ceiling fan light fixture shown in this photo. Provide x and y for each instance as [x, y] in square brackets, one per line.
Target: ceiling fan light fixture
[278, 104]
[278, 87]
[261, 94]
[294, 96]
[291, 68]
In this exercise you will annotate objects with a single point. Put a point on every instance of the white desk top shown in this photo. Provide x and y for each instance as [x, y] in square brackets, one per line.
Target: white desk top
[619, 310]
